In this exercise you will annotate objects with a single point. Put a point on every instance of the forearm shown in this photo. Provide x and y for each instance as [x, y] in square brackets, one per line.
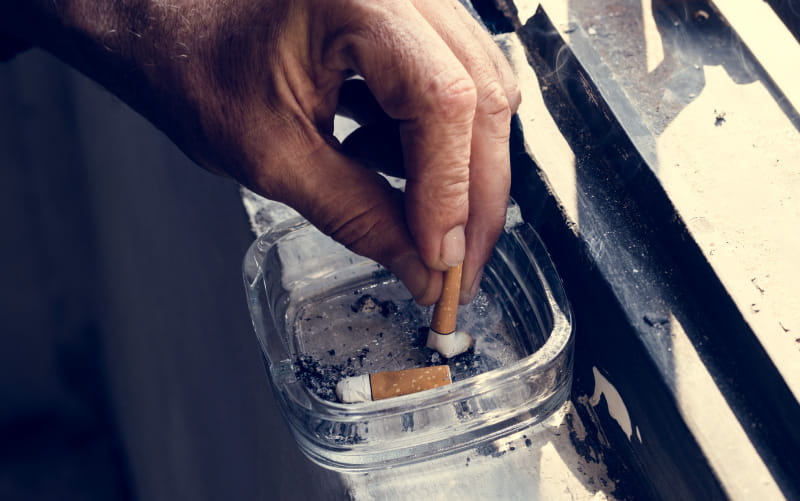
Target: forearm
[163, 57]
[108, 41]
[68, 28]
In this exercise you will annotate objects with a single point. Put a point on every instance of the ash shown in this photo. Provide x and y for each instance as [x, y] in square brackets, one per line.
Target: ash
[469, 364]
[321, 378]
[379, 328]
[462, 366]
[369, 303]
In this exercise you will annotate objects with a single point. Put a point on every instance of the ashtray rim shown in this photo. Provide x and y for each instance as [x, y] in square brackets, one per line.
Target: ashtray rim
[555, 350]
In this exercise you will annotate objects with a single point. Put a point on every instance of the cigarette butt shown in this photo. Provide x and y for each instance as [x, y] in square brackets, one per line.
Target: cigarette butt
[389, 384]
[354, 389]
[449, 345]
[442, 336]
[446, 309]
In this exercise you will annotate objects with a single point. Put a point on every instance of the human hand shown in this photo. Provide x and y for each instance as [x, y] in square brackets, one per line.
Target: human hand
[249, 89]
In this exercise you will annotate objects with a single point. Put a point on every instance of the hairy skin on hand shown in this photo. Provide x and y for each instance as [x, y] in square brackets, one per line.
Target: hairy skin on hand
[249, 89]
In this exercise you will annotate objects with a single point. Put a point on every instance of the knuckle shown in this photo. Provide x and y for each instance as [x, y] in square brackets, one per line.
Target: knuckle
[514, 94]
[455, 201]
[451, 193]
[455, 99]
[494, 102]
[499, 181]
[356, 231]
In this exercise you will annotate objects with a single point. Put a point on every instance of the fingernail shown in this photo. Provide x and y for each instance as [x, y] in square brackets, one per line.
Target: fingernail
[452, 251]
[467, 295]
[412, 272]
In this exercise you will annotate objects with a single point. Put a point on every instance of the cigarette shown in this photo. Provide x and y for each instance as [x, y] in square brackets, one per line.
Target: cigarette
[442, 336]
[446, 309]
[389, 384]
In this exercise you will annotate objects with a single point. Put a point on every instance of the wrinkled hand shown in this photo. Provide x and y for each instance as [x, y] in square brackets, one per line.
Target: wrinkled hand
[249, 88]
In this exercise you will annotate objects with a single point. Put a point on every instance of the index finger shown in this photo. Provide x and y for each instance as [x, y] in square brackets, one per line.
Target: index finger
[418, 80]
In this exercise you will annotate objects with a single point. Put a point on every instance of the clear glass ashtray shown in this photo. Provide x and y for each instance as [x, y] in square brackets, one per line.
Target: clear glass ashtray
[322, 313]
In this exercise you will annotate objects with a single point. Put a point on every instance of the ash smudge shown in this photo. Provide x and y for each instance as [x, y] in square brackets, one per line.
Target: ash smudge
[364, 304]
[421, 338]
[463, 411]
[321, 378]
[362, 355]
[469, 364]
[407, 421]
[490, 450]
[655, 320]
[341, 433]
[369, 304]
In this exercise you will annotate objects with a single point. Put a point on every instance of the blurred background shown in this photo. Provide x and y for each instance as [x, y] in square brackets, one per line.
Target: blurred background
[128, 366]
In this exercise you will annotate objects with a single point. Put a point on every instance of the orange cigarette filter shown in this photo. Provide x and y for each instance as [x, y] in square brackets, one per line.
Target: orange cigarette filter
[397, 383]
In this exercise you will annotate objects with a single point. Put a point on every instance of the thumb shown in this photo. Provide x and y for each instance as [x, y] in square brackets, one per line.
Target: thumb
[359, 209]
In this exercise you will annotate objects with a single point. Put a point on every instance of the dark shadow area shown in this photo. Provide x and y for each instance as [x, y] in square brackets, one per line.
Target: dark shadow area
[493, 17]
[789, 12]
[128, 364]
[58, 438]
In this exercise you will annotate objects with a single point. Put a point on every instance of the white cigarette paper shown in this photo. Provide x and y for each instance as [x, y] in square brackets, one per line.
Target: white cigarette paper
[354, 389]
[449, 345]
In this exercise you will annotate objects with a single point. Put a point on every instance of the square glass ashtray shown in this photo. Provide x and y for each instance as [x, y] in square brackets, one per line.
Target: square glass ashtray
[322, 313]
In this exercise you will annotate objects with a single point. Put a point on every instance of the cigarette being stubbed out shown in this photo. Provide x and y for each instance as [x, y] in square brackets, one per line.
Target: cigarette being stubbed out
[391, 383]
[443, 336]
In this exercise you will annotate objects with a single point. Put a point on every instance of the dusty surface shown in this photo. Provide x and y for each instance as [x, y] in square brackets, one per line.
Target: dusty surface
[721, 143]
[730, 168]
